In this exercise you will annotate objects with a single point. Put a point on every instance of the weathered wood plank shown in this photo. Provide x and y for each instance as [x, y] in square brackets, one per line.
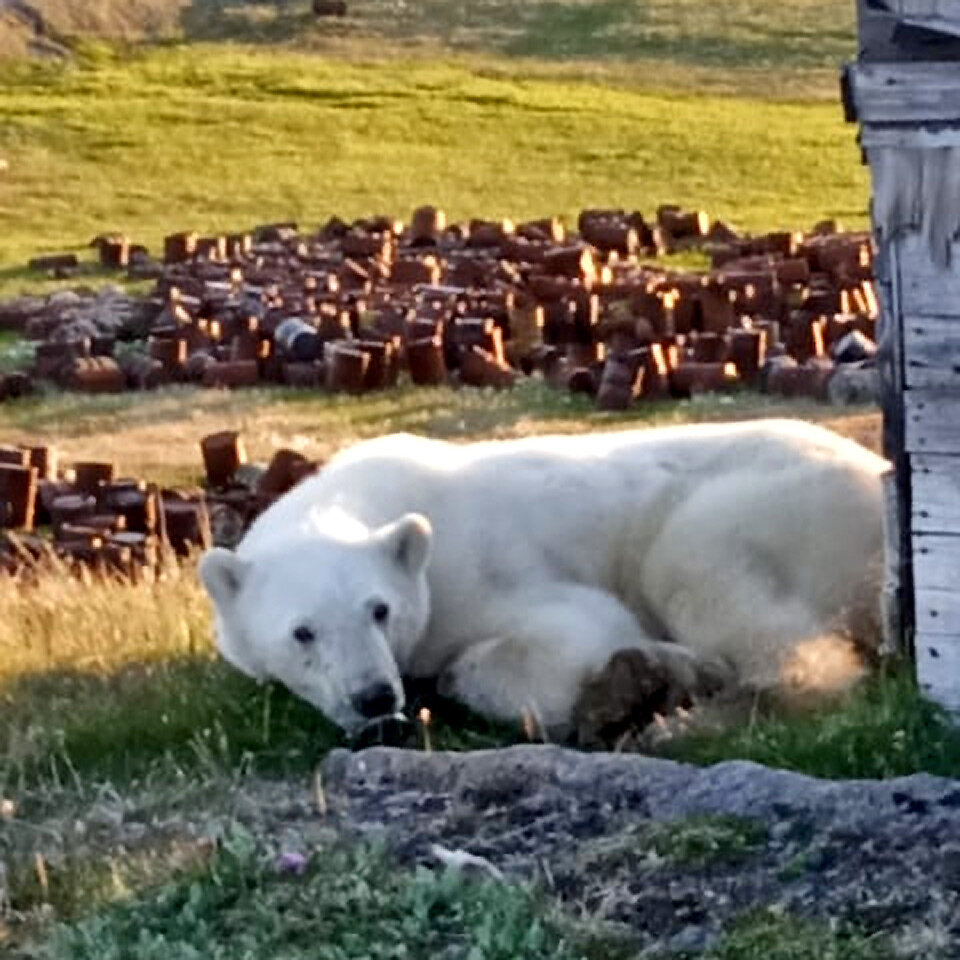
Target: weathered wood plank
[932, 352]
[926, 290]
[875, 32]
[930, 14]
[935, 488]
[932, 421]
[938, 667]
[938, 611]
[906, 92]
[890, 358]
[936, 562]
[893, 640]
[908, 137]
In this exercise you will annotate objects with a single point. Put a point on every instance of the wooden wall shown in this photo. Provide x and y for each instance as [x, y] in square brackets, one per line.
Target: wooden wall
[905, 93]
[926, 308]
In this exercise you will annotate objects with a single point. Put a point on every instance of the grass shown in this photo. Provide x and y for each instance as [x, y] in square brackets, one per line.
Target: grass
[355, 903]
[350, 904]
[884, 730]
[157, 435]
[690, 841]
[734, 41]
[103, 683]
[219, 137]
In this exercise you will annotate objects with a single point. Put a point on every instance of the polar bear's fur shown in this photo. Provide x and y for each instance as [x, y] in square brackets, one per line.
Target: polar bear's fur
[513, 570]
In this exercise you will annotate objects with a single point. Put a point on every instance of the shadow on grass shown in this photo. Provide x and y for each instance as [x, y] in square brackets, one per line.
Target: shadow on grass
[191, 715]
[625, 29]
[212, 21]
[20, 280]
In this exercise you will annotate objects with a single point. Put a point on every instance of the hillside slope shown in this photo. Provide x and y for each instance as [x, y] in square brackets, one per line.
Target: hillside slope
[39, 26]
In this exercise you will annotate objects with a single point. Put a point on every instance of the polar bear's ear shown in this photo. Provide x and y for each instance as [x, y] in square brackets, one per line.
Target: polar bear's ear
[407, 542]
[222, 573]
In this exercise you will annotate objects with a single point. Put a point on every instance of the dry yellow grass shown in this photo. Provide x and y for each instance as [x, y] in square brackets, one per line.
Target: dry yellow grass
[99, 625]
[157, 436]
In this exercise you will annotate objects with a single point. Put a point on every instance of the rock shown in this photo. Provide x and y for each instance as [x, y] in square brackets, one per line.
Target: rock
[674, 852]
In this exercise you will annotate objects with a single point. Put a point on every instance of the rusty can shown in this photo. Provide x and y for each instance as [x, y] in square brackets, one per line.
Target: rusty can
[680, 224]
[211, 248]
[114, 252]
[18, 496]
[285, 470]
[690, 379]
[15, 385]
[71, 508]
[44, 459]
[426, 225]
[345, 367]
[170, 351]
[298, 341]
[223, 453]
[97, 375]
[709, 348]
[185, 523]
[92, 475]
[179, 247]
[610, 235]
[380, 363]
[14, 456]
[479, 368]
[132, 501]
[748, 349]
[574, 262]
[425, 361]
[621, 380]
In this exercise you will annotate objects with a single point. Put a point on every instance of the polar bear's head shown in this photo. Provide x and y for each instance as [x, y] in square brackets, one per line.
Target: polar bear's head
[326, 615]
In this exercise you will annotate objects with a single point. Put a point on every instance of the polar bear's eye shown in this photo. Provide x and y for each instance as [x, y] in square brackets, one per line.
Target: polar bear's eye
[380, 612]
[303, 634]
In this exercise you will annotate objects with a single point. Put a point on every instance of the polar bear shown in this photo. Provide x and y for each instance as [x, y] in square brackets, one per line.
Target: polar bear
[514, 570]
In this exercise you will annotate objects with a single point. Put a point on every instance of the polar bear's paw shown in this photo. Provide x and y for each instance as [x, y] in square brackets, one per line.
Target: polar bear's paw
[638, 685]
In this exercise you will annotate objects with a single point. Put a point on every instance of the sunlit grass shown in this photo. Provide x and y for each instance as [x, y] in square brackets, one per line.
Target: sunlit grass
[157, 435]
[218, 138]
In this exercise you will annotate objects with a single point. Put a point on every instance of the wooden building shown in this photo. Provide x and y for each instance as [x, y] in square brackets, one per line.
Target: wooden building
[904, 92]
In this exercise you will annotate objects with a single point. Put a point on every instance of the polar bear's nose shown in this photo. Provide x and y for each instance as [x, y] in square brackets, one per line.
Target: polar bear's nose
[376, 700]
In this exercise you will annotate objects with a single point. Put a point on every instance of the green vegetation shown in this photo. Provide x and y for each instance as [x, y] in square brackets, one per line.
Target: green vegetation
[356, 903]
[150, 140]
[735, 40]
[14, 352]
[691, 841]
[708, 839]
[349, 903]
[768, 936]
[223, 138]
[884, 729]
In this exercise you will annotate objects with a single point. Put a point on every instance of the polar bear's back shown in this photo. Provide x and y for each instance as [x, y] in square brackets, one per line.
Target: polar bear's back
[378, 480]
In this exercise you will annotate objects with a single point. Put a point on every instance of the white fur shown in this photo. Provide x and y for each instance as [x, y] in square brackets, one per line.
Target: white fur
[724, 544]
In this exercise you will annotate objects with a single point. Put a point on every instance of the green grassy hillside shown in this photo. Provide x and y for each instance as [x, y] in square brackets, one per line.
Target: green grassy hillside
[218, 136]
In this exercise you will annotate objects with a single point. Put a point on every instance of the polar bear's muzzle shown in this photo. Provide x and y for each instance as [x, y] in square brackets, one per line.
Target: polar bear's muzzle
[377, 700]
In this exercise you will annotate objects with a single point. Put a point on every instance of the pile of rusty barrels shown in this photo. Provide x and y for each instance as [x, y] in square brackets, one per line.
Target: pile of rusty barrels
[89, 517]
[363, 306]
